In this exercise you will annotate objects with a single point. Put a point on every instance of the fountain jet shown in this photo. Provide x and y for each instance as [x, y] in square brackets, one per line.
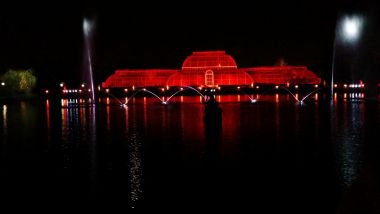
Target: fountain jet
[87, 32]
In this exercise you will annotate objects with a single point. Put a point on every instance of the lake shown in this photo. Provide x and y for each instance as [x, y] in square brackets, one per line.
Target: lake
[272, 155]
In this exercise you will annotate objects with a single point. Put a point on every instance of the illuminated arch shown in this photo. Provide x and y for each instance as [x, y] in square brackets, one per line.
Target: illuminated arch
[209, 78]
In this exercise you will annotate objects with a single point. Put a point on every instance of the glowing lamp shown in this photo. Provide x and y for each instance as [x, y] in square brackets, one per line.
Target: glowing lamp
[351, 28]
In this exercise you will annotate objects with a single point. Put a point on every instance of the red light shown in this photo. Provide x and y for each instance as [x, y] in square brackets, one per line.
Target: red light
[224, 71]
[46, 91]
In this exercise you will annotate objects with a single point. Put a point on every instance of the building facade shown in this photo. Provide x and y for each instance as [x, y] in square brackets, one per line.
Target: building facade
[210, 69]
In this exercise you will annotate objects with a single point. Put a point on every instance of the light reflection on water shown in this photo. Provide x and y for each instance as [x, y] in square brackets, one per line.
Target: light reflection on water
[347, 134]
[134, 164]
[4, 111]
[160, 151]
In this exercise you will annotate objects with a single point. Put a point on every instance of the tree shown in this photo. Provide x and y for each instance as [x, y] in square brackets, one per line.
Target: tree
[19, 81]
[280, 62]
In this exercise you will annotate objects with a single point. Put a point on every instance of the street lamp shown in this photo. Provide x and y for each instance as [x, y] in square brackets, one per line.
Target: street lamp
[347, 30]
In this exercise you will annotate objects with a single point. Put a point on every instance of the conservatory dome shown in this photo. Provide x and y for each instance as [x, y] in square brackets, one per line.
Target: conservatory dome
[216, 60]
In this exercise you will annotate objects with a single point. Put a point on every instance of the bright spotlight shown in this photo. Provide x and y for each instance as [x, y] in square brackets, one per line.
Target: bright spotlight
[351, 27]
[86, 26]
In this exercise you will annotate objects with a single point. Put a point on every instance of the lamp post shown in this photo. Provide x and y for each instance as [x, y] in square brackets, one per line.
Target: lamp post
[348, 31]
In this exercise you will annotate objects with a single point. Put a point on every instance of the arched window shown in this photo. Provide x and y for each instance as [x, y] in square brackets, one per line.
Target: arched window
[209, 78]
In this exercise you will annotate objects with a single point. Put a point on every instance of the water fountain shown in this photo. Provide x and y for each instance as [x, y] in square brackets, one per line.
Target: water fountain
[144, 90]
[294, 96]
[347, 32]
[87, 32]
[253, 99]
[186, 88]
[166, 101]
[163, 101]
[300, 101]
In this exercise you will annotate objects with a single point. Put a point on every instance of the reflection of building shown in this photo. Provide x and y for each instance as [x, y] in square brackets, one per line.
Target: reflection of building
[211, 68]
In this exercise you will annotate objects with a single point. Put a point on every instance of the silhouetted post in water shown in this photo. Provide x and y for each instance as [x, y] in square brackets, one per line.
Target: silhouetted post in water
[213, 129]
[213, 114]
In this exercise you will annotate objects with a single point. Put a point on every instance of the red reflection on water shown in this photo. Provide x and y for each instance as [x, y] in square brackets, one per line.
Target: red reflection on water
[47, 104]
[126, 120]
[64, 117]
[82, 115]
[145, 115]
[108, 117]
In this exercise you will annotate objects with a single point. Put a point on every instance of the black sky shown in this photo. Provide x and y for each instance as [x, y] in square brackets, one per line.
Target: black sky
[48, 37]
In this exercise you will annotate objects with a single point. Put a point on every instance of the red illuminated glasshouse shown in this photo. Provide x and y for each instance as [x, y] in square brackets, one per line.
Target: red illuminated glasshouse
[210, 69]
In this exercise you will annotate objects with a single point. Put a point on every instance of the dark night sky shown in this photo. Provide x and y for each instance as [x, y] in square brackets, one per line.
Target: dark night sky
[49, 37]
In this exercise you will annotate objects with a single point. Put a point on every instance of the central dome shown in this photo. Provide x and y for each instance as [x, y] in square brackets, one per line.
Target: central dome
[201, 60]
